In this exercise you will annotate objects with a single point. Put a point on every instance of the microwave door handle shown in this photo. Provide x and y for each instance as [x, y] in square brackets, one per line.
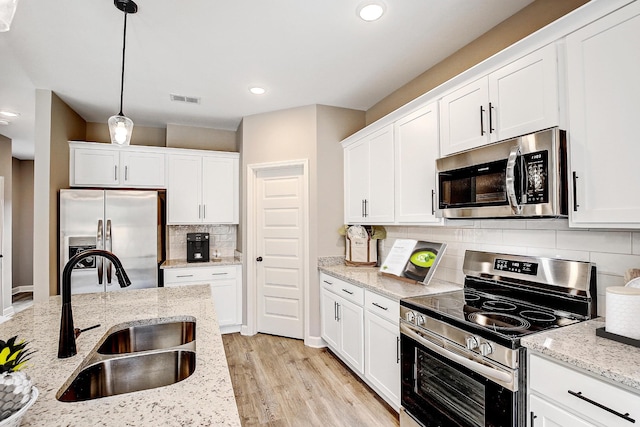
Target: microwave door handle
[99, 246]
[510, 178]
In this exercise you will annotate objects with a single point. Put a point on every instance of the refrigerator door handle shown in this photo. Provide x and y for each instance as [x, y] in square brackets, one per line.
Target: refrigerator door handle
[109, 245]
[99, 246]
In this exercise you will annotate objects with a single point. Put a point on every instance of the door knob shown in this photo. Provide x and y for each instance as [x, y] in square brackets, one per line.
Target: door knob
[259, 259]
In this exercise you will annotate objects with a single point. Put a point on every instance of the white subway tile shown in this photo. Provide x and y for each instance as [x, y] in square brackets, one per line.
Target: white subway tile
[490, 236]
[548, 224]
[530, 238]
[607, 280]
[502, 249]
[396, 232]
[636, 243]
[559, 253]
[504, 224]
[615, 264]
[600, 241]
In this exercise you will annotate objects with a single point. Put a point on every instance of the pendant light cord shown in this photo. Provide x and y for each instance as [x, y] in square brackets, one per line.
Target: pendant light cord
[124, 46]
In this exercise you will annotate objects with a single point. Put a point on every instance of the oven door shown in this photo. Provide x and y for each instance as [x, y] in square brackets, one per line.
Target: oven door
[444, 387]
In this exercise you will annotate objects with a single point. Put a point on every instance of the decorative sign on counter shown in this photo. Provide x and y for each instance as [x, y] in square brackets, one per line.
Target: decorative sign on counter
[413, 260]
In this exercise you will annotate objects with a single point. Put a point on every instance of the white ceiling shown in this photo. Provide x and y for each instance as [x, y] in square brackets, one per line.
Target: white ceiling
[302, 51]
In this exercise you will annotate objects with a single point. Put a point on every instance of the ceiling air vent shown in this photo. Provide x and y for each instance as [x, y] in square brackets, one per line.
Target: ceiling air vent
[187, 99]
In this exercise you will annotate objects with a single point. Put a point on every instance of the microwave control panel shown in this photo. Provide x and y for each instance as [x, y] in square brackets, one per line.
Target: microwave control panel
[536, 167]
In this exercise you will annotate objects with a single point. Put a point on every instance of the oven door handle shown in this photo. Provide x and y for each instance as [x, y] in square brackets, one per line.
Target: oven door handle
[510, 180]
[486, 371]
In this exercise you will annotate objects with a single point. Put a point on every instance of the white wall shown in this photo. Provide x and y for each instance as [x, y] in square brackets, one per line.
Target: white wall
[613, 252]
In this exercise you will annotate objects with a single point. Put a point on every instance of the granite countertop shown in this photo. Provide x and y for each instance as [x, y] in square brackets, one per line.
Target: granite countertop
[369, 278]
[579, 346]
[182, 263]
[204, 399]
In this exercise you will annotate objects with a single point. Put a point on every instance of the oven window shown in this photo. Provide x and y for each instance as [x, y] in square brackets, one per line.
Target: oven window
[451, 389]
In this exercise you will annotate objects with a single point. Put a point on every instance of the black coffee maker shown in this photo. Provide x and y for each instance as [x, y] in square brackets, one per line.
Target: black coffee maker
[197, 247]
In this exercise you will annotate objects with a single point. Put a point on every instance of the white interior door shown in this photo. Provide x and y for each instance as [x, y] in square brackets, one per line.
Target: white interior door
[280, 251]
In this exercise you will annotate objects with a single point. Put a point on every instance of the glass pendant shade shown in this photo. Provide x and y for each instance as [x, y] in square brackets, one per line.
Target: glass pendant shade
[7, 10]
[120, 129]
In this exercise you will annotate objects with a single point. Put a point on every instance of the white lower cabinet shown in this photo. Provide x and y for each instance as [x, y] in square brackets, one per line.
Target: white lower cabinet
[226, 290]
[562, 396]
[362, 328]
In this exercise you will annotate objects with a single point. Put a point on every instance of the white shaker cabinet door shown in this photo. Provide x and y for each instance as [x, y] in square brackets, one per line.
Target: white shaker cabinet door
[356, 159]
[330, 328]
[604, 107]
[379, 207]
[382, 349]
[416, 151]
[351, 321]
[545, 414]
[464, 120]
[141, 169]
[220, 195]
[92, 167]
[184, 190]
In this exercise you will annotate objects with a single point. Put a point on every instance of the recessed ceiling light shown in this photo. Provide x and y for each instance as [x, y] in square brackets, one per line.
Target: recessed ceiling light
[371, 11]
[4, 122]
[257, 90]
[8, 113]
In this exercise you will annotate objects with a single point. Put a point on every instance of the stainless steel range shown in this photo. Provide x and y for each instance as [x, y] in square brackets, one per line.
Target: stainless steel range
[461, 359]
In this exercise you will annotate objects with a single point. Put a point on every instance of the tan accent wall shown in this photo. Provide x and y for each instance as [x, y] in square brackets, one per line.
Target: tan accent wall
[99, 132]
[530, 19]
[199, 138]
[22, 239]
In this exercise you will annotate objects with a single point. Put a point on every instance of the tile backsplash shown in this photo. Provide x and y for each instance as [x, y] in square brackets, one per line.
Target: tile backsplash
[613, 252]
[221, 237]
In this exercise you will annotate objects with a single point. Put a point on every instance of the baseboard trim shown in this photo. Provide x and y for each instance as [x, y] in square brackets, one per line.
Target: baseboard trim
[230, 329]
[20, 289]
[315, 342]
[245, 331]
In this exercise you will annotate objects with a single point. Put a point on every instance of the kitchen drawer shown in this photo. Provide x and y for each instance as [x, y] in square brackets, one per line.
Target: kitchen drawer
[346, 290]
[557, 383]
[206, 274]
[382, 306]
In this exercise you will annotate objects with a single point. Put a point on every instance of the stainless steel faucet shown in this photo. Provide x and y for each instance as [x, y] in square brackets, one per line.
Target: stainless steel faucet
[67, 343]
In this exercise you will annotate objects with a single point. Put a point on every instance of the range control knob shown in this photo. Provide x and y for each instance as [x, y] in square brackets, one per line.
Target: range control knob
[410, 316]
[472, 342]
[420, 320]
[485, 349]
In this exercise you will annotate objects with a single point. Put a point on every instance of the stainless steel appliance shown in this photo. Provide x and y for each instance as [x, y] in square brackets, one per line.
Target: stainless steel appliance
[124, 222]
[197, 247]
[461, 359]
[521, 177]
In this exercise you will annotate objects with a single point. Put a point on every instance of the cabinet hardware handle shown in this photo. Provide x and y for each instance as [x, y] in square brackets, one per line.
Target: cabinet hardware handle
[533, 417]
[335, 311]
[397, 349]
[126, 173]
[347, 291]
[433, 202]
[204, 211]
[362, 208]
[481, 120]
[366, 208]
[185, 275]
[219, 274]
[115, 173]
[199, 211]
[491, 108]
[601, 406]
[338, 312]
[328, 282]
[379, 306]
[575, 192]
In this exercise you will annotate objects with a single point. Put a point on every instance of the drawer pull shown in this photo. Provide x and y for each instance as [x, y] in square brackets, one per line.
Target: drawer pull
[379, 306]
[328, 282]
[219, 274]
[601, 406]
[347, 291]
[185, 275]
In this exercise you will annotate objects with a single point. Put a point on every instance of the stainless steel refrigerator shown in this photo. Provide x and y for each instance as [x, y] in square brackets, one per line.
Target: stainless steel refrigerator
[124, 222]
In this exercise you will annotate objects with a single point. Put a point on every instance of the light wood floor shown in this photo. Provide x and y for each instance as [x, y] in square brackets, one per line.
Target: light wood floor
[280, 382]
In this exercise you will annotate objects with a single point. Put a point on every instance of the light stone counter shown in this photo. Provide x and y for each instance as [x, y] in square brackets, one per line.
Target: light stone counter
[369, 278]
[204, 399]
[579, 346]
[182, 263]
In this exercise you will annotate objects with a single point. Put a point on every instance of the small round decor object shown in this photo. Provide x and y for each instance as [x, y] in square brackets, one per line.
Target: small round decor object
[633, 283]
[15, 419]
[423, 259]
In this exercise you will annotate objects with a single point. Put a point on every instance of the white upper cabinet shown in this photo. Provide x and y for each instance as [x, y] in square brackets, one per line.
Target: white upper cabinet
[203, 189]
[516, 99]
[104, 165]
[603, 92]
[416, 151]
[369, 171]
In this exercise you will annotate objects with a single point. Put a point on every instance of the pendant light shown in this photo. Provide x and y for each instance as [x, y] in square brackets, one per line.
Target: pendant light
[121, 126]
[7, 10]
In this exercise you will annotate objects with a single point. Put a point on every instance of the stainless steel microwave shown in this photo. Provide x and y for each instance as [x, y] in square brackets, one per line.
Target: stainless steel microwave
[523, 177]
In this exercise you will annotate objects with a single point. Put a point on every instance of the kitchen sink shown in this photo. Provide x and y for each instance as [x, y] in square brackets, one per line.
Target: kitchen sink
[129, 373]
[149, 337]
